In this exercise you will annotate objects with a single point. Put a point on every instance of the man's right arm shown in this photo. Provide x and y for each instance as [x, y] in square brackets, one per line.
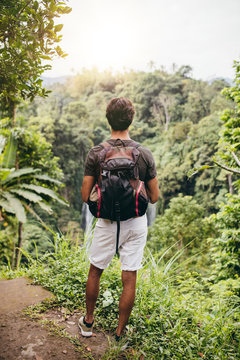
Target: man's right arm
[153, 190]
[88, 182]
[89, 178]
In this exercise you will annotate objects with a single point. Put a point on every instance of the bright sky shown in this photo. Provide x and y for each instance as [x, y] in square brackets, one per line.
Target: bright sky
[204, 34]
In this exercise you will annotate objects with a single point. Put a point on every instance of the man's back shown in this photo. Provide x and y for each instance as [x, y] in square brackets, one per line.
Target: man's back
[145, 162]
[133, 234]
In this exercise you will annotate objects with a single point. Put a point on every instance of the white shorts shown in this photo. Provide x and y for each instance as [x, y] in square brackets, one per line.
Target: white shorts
[132, 240]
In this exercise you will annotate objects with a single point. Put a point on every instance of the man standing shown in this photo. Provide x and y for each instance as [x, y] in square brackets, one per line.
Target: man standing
[133, 234]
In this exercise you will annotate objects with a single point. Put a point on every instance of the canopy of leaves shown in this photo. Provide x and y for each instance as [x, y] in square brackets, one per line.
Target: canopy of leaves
[28, 36]
[182, 228]
[225, 249]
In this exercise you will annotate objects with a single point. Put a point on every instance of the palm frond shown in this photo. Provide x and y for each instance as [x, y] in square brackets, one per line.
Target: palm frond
[47, 178]
[29, 209]
[18, 173]
[9, 154]
[45, 207]
[17, 206]
[4, 173]
[2, 143]
[42, 190]
[28, 195]
[6, 206]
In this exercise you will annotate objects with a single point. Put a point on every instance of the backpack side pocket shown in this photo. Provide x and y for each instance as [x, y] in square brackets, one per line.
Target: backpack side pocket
[141, 199]
[94, 201]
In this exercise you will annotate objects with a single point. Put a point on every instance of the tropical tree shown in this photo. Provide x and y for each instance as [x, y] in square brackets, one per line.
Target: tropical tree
[225, 248]
[20, 189]
[182, 230]
[28, 36]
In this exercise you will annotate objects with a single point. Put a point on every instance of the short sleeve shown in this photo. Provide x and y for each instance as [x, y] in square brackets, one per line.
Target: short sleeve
[91, 164]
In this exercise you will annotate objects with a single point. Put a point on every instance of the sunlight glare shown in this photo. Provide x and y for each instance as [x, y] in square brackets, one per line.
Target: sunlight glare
[110, 37]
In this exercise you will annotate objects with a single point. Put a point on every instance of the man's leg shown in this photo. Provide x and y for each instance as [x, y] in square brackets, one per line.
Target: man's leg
[92, 290]
[127, 299]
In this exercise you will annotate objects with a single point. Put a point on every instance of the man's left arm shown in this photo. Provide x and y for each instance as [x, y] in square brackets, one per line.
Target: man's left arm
[153, 190]
[151, 181]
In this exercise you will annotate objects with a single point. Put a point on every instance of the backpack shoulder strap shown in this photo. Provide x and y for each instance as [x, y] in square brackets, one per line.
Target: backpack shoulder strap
[132, 143]
[102, 153]
[105, 144]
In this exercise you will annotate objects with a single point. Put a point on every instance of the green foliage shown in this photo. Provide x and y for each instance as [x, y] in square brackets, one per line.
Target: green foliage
[73, 119]
[8, 229]
[34, 151]
[175, 316]
[229, 144]
[36, 239]
[20, 190]
[225, 249]
[9, 156]
[28, 36]
[66, 275]
[187, 146]
[182, 227]
[13, 194]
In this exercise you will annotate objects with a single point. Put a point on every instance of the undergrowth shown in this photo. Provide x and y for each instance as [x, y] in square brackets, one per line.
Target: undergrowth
[177, 315]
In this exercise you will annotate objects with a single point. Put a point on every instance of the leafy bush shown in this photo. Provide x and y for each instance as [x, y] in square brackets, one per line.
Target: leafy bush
[175, 316]
[225, 249]
[182, 227]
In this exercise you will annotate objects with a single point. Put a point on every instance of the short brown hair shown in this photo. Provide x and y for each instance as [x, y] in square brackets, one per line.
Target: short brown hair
[120, 112]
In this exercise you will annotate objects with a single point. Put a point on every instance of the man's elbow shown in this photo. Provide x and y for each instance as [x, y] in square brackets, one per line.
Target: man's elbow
[154, 196]
[153, 199]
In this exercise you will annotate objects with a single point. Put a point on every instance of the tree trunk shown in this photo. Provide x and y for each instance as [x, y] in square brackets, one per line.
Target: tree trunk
[13, 255]
[166, 101]
[16, 250]
[167, 122]
[19, 244]
[180, 237]
[230, 187]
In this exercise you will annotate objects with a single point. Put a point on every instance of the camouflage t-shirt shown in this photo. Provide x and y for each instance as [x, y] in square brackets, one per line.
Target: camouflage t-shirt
[145, 162]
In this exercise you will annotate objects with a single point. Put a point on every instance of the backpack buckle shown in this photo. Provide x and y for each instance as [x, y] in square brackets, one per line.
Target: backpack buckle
[104, 173]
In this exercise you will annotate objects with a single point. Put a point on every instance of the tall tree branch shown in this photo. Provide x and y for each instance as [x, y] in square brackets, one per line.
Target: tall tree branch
[226, 167]
[236, 158]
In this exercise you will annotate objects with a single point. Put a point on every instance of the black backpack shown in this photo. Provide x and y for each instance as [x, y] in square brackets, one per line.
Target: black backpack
[119, 194]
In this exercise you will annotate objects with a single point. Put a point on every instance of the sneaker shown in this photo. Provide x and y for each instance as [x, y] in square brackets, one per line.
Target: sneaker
[117, 338]
[86, 329]
[120, 343]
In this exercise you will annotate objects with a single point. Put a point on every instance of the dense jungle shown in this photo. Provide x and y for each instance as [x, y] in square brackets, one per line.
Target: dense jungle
[187, 302]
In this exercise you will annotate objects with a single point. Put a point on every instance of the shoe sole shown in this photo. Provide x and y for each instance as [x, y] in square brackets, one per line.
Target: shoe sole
[84, 333]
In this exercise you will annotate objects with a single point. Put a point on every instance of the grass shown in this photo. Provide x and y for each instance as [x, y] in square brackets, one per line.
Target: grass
[177, 315]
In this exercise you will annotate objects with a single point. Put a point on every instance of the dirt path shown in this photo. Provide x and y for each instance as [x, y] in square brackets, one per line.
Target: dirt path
[22, 338]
